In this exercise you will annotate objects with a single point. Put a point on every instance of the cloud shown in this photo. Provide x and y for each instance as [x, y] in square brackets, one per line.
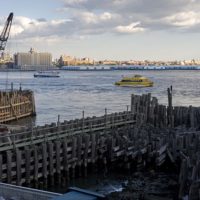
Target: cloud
[152, 14]
[24, 27]
[131, 28]
[94, 17]
[184, 19]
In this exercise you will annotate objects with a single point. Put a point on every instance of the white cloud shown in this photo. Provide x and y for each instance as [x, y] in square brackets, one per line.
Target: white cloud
[106, 16]
[24, 27]
[184, 19]
[131, 28]
[93, 17]
[89, 17]
[153, 14]
[74, 2]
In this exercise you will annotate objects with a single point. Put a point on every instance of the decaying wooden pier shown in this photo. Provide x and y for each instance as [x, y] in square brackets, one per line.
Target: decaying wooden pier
[147, 134]
[16, 104]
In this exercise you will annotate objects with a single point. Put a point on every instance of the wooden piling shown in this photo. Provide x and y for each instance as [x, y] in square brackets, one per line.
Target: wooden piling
[44, 164]
[58, 162]
[27, 164]
[9, 166]
[19, 163]
[51, 163]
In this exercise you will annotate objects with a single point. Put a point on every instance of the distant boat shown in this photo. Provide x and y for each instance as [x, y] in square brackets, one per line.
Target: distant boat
[47, 74]
[135, 81]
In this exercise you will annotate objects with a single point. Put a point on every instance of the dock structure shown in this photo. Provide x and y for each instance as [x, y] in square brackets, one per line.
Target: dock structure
[148, 134]
[16, 104]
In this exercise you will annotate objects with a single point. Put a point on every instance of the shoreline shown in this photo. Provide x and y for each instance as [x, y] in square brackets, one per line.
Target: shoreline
[129, 68]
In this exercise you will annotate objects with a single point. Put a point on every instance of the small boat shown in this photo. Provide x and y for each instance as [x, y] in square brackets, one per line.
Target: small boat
[47, 74]
[135, 81]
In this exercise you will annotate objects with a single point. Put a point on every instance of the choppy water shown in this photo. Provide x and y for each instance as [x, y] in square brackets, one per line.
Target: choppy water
[93, 91]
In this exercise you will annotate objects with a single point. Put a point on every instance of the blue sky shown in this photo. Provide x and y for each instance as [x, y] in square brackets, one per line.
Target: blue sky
[102, 29]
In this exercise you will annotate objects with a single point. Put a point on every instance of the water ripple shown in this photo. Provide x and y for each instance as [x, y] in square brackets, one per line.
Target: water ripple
[73, 92]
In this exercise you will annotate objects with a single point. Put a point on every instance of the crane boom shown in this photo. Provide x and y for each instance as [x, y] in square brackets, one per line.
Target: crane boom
[6, 31]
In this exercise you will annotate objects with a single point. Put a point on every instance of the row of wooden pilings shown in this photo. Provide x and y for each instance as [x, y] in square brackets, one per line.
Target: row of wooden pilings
[58, 151]
[148, 110]
[148, 133]
[181, 140]
[16, 104]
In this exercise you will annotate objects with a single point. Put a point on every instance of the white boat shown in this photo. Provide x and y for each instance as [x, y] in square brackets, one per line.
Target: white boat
[47, 74]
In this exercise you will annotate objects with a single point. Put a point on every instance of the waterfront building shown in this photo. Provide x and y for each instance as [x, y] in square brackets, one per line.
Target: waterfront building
[86, 61]
[33, 60]
[110, 62]
[66, 60]
[5, 60]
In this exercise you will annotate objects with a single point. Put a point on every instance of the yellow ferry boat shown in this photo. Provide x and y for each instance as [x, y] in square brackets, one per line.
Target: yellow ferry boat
[135, 81]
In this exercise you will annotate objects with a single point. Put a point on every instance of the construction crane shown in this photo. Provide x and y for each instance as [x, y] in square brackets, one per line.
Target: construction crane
[6, 31]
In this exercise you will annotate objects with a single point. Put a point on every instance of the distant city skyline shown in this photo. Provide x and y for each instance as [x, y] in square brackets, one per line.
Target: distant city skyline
[114, 29]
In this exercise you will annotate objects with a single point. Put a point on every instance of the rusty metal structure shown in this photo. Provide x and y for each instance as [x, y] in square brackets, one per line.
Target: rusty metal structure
[6, 31]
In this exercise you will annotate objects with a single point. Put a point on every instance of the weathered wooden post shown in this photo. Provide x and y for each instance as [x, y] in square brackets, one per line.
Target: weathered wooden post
[36, 165]
[79, 152]
[132, 103]
[127, 107]
[58, 123]
[85, 157]
[105, 117]
[9, 166]
[28, 164]
[18, 165]
[65, 160]
[12, 87]
[183, 178]
[83, 120]
[74, 149]
[44, 164]
[51, 163]
[191, 117]
[148, 107]
[58, 162]
[33, 104]
[170, 108]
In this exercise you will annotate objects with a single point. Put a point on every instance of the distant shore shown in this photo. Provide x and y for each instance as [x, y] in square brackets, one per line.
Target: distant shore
[109, 68]
[128, 67]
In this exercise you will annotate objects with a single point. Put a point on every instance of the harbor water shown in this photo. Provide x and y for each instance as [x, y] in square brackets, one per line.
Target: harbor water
[92, 91]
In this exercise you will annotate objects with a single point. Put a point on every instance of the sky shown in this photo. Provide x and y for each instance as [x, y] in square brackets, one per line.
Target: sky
[105, 29]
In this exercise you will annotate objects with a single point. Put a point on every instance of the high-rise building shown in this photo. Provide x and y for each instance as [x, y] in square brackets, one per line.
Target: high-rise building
[33, 60]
